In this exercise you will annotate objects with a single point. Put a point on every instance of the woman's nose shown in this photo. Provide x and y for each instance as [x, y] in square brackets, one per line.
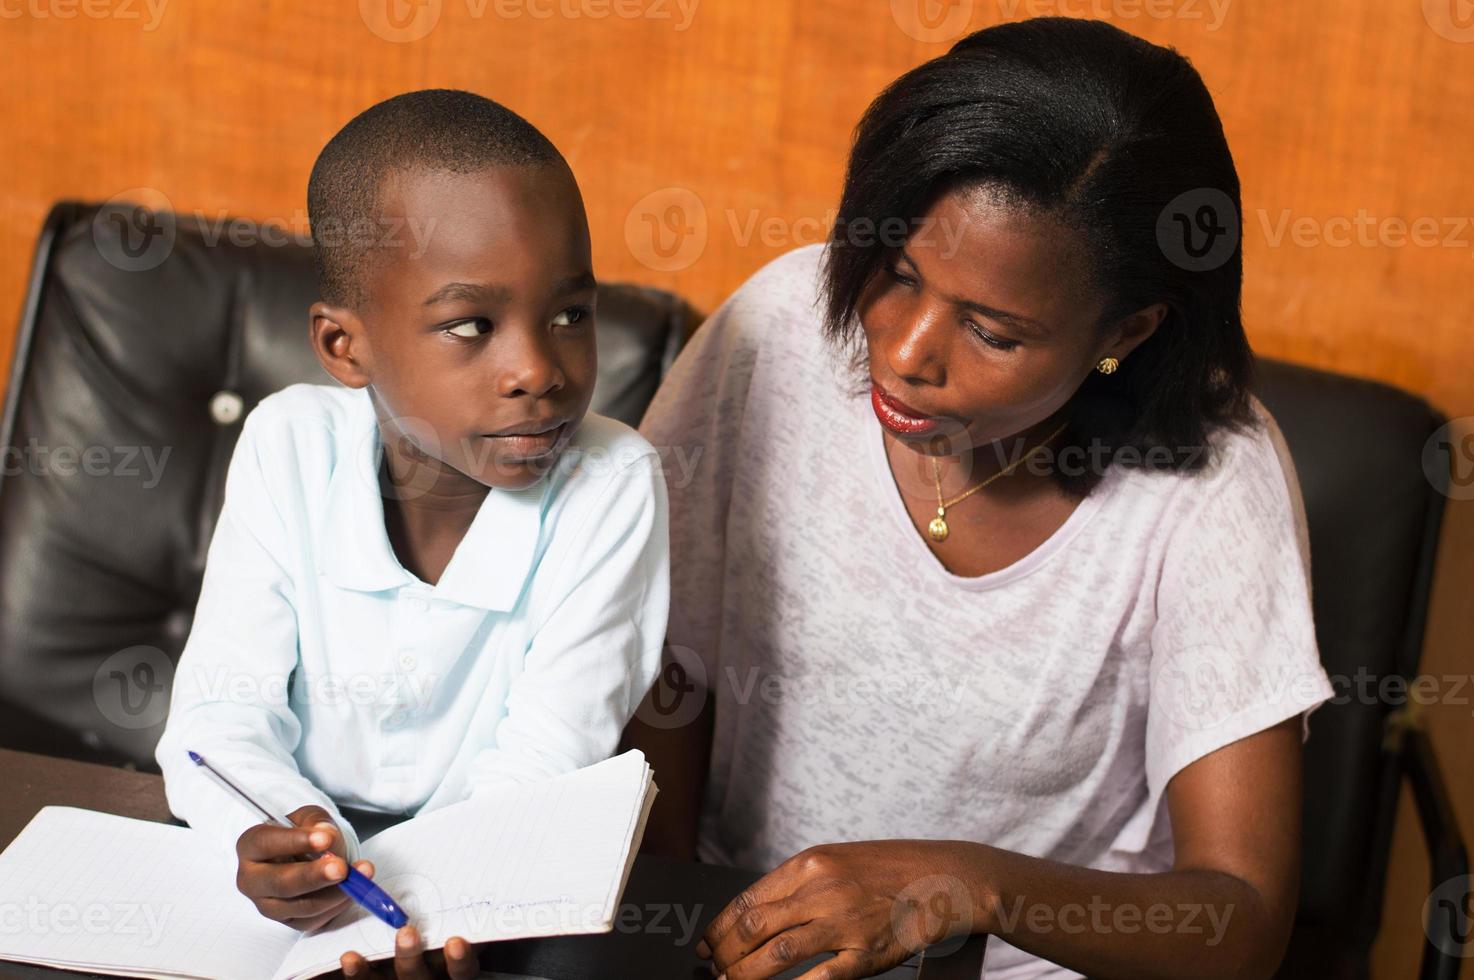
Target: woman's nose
[914, 347]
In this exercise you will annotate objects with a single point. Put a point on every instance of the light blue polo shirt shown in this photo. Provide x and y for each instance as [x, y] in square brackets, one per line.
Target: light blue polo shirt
[320, 671]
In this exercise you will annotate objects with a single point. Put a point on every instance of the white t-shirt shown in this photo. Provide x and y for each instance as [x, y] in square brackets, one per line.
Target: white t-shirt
[864, 692]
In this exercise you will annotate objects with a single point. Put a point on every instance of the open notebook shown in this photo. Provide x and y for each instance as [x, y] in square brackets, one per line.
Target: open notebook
[97, 892]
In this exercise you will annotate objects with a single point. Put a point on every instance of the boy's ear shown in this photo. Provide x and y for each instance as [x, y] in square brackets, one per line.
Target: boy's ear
[340, 342]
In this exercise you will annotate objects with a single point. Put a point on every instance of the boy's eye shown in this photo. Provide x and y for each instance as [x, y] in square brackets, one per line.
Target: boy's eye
[570, 316]
[472, 328]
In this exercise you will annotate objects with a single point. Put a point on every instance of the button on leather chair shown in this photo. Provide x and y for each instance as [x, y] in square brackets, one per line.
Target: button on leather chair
[145, 331]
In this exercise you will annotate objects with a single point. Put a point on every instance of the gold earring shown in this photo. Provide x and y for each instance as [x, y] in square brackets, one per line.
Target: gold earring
[1108, 365]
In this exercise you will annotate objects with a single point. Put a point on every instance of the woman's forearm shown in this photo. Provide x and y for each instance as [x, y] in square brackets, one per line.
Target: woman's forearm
[1201, 924]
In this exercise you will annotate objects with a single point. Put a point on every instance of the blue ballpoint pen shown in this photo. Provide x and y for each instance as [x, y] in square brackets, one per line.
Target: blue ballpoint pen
[356, 884]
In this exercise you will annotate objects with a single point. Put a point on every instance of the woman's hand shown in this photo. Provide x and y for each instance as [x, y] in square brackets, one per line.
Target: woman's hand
[458, 961]
[873, 904]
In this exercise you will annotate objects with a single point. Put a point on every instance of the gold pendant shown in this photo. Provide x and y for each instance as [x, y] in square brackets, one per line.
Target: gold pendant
[938, 526]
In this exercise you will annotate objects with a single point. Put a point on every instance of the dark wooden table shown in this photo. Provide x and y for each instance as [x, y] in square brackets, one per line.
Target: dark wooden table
[653, 936]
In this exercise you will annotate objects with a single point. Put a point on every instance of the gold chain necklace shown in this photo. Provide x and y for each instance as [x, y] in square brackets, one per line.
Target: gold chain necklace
[938, 529]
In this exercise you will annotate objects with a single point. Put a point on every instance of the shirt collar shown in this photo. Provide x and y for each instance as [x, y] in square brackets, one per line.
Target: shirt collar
[490, 565]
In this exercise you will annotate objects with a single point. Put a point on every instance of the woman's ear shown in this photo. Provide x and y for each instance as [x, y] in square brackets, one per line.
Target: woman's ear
[1133, 329]
[340, 342]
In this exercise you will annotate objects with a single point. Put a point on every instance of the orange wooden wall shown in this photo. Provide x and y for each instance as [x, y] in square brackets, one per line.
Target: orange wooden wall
[730, 119]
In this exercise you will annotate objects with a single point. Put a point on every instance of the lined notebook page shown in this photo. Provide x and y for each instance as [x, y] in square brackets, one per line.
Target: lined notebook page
[128, 897]
[95, 891]
[545, 859]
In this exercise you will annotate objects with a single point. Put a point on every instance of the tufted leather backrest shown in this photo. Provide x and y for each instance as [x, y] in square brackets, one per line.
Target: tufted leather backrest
[144, 341]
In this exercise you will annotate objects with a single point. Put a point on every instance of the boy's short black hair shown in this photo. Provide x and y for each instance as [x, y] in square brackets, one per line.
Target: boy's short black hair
[433, 129]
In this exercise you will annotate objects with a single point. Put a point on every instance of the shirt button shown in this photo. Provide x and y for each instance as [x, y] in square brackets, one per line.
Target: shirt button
[396, 719]
[408, 661]
[418, 605]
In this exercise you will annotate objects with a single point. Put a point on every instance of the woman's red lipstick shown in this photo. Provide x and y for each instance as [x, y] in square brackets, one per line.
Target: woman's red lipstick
[899, 417]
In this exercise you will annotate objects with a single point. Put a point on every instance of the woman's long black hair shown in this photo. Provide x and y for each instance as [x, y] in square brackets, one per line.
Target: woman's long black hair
[1116, 138]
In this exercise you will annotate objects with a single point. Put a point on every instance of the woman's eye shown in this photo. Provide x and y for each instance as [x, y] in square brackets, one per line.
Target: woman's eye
[570, 316]
[472, 328]
[991, 340]
[900, 276]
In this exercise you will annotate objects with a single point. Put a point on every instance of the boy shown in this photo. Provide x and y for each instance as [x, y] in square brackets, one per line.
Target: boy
[442, 577]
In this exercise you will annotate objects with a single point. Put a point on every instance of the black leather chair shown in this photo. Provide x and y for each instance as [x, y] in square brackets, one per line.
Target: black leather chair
[131, 341]
[1374, 514]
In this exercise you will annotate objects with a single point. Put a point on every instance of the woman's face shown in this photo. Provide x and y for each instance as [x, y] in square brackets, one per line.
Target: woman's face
[979, 328]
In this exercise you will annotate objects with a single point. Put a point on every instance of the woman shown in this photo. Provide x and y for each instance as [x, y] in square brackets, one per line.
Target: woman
[990, 571]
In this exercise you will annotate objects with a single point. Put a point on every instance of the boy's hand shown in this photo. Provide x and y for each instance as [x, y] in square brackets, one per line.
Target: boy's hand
[458, 961]
[273, 873]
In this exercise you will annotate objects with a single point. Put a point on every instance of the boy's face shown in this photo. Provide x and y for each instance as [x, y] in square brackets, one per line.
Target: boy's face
[477, 340]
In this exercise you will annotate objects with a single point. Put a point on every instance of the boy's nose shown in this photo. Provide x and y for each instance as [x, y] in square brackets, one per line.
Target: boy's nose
[535, 376]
